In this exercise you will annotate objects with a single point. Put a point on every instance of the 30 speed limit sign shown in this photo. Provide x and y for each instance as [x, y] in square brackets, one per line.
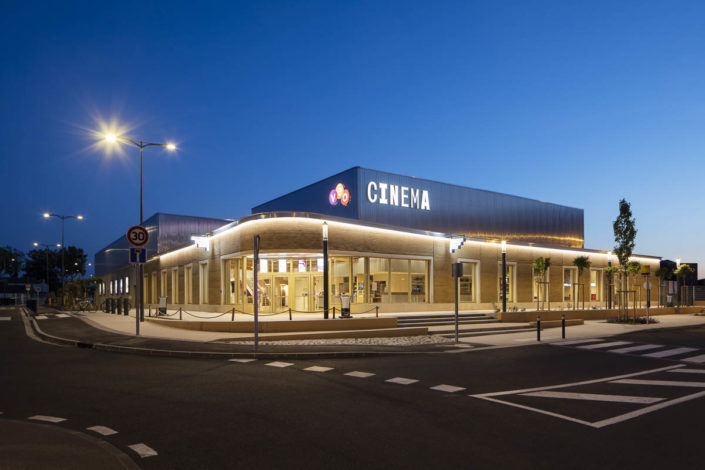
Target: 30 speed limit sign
[137, 236]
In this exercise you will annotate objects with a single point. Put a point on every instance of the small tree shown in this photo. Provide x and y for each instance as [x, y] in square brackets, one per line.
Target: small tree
[683, 272]
[624, 235]
[610, 271]
[541, 266]
[663, 274]
[582, 263]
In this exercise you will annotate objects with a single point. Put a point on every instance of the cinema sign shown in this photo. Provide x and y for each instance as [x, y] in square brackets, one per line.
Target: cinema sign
[396, 195]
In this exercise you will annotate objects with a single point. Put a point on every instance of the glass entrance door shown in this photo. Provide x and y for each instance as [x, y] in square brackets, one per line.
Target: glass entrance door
[301, 292]
[281, 291]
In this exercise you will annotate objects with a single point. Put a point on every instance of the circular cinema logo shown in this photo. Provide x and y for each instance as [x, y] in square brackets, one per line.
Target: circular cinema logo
[339, 194]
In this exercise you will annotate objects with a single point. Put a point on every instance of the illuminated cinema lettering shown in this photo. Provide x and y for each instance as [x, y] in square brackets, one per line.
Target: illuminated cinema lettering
[396, 195]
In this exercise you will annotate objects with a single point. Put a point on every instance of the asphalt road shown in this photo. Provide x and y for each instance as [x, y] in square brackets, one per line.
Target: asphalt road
[208, 413]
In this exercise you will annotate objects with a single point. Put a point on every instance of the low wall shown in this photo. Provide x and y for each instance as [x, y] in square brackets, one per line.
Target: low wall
[603, 314]
[281, 326]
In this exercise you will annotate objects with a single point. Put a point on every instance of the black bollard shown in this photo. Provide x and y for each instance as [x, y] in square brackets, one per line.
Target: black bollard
[563, 326]
[290, 313]
[538, 327]
[377, 311]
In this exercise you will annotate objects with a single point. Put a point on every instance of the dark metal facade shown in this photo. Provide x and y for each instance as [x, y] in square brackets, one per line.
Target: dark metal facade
[166, 232]
[402, 201]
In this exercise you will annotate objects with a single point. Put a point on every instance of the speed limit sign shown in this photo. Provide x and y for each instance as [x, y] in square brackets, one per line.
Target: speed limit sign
[137, 236]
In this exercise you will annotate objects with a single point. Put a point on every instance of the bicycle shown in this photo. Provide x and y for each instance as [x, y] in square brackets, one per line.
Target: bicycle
[84, 305]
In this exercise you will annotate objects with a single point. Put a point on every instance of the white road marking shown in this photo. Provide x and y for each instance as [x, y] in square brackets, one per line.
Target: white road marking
[648, 409]
[244, 361]
[279, 364]
[318, 369]
[695, 359]
[41, 317]
[643, 347]
[401, 380]
[580, 341]
[62, 315]
[5, 318]
[48, 419]
[670, 352]
[360, 374]
[447, 388]
[104, 430]
[666, 383]
[573, 384]
[594, 397]
[143, 450]
[605, 345]
[689, 371]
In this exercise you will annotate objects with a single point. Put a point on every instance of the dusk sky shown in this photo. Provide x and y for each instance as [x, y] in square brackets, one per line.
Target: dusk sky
[576, 103]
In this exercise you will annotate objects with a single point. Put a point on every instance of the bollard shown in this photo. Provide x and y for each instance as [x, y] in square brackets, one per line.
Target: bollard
[106, 305]
[289, 313]
[149, 310]
[377, 311]
[333, 312]
[179, 313]
[563, 326]
[119, 306]
[233, 315]
[538, 327]
[112, 306]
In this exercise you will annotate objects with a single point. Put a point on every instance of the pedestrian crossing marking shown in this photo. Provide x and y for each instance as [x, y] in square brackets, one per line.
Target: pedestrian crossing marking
[643, 347]
[695, 359]
[670, 352]
[605, 345]
[580, 341]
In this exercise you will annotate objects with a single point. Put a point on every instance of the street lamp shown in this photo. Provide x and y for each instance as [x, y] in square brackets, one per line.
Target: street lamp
[325, 270]
[112, 138]
[46, 246]
[63, 270]
[504, 276]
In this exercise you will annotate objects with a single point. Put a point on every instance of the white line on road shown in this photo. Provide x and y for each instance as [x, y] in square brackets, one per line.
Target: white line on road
[243, 361]
[648, 409]
[62, 315]
[143, 450]
[605, 345]
[401, 380]
[666, 383]
[5, 318]
[689, 371]
[48, 419]
[670, 352]
[594, 397]
[279, 364]
[643, 347]
[580, 341]
[318, 369]
[360, 374]
[104, 430]
[695, 359]
[41, 317]
[447, 388]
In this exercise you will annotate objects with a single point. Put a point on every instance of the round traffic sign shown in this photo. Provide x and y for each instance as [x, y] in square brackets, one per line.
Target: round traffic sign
[137, 236]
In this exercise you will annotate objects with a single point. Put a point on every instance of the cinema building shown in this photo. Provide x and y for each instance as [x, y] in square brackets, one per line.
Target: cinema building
[392, 240]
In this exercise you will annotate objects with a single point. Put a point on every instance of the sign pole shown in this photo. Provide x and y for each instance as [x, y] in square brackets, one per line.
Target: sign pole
[138, 294]
[256, 269]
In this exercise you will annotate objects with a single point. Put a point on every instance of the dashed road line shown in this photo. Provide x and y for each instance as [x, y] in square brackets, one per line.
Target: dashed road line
[447, 388]
[359, 374]
[579, 341]
[41, 317]
[605, 345]
[670, 352]
[318, 369]
[594, 397]
[104, 430]
[243, 361]
[48, 419]
[666, 383]
[5, 318]
[143, 450]
[643, 347]
[62, 315]
[689, 371]
[279, 364]
[695, 359]
[401, 380]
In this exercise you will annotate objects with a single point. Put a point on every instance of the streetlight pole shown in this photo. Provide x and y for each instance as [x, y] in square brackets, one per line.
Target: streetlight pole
[325, 270]
[504, 276]
[142, 145]
[63, 247]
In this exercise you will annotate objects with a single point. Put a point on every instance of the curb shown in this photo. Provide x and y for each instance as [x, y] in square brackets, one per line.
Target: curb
[208, 354]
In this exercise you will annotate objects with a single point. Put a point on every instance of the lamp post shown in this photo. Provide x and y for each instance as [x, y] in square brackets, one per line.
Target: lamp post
[46, 246]
[112, 138]
[504, 276]
[325, 270]
[63, 247]
[609, 284]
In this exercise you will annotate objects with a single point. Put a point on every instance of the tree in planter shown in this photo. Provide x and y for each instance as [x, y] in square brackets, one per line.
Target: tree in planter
[683, 272]
[634, 270]
[582, 263]
[541, 266]
[663, 274]
[610, 271]
[624, 235]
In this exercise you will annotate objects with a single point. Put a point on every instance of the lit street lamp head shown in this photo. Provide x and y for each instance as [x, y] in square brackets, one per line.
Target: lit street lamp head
[111, 138]
[170, 146]
[79, 217]
[46, 215]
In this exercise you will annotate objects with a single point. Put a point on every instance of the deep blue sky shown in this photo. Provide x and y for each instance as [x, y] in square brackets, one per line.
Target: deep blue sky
[577, 103]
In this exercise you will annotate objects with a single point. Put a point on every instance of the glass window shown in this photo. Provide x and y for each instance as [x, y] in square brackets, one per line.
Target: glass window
[203, 283]
[510, 283]
[595, 285]
[466, 287]
[418, 269]
[162, 286]
[127, 285]
[400, 280]
[359, 289]
[540, 287]
[339, 278]
[379, 280]
[569, 277]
